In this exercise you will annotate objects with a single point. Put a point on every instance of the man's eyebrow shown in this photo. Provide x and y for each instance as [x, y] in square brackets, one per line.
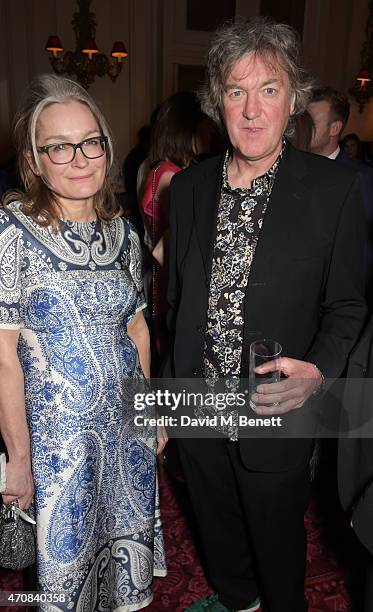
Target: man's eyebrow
[232, 86]
[271, 82]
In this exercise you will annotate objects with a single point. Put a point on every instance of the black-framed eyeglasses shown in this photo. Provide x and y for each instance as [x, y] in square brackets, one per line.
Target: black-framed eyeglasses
[64, 152]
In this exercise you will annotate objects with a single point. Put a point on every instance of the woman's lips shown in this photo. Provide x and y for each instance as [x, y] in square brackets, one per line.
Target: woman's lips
[81, 178]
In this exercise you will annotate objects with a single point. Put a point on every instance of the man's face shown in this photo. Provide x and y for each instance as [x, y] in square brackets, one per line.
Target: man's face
[322, 132]
[257, 104]
[351, 148]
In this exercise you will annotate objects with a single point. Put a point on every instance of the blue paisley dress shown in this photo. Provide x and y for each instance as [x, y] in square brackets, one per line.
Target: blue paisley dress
[71, 294]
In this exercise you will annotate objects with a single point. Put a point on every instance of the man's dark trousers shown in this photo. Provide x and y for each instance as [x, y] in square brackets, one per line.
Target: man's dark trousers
[248, 519]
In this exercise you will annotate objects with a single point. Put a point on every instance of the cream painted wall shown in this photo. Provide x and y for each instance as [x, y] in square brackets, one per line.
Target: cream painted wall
[181, 46]
[333, 36]
[24, 28]
[157, 40]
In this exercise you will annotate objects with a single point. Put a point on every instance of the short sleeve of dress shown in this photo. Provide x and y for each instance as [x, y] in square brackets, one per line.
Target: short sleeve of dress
[10, 272]
[135, 267]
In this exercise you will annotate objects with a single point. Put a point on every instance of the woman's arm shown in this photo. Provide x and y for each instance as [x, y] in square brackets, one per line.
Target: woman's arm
[13, 423]
[163, 194]
[138, 331]
[160, 251]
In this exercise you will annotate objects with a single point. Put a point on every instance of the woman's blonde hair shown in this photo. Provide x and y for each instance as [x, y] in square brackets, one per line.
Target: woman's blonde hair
[38, 200]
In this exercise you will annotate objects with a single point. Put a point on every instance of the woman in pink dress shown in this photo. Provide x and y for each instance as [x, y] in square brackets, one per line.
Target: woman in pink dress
[174, 145]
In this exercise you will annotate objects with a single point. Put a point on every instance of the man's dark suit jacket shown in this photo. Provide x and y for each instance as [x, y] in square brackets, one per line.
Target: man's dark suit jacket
[366, 182]
[366, 176]
[306, 282]
[355, 456]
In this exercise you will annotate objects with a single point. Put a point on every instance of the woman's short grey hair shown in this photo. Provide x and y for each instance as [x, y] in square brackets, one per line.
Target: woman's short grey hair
[276, 43]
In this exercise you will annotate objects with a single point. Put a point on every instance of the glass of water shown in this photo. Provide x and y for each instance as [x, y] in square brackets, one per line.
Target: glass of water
[263, 351]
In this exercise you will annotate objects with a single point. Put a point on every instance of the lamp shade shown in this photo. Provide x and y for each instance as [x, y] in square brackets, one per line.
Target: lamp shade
[90, 46]
[119, 50]
[364, 77]
[54, 44]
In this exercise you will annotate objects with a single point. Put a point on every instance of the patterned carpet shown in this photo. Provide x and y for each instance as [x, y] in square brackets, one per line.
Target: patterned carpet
[328, 581]
[330, 586]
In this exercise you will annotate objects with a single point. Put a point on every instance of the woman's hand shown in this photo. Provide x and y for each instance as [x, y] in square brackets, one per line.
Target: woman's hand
[162, 438]
[19, 483]
[13, 423]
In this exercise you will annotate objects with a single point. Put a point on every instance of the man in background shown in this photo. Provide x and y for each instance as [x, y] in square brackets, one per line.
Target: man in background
[330, 110]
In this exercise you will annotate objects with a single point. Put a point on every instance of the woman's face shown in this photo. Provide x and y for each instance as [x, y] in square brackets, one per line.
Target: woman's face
[69, 122]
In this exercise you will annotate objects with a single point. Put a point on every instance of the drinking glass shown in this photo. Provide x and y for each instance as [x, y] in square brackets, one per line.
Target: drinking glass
[262, 351]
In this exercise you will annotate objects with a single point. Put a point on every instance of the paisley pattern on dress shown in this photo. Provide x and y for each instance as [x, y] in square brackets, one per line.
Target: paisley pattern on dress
[69, 245]
[71, 294]
[10, 252]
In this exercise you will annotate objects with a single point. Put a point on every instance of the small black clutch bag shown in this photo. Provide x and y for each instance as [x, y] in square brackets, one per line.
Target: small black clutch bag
[17, 536]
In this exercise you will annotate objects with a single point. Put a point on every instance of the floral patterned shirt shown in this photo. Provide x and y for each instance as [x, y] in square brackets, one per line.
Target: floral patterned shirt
[240, 218]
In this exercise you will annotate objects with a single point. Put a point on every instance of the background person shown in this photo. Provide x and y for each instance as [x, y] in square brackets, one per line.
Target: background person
[174, 144]
[351, 145]
[330, 110]
[355, 453]
[303, 131]
[135, 158]
[130, 168]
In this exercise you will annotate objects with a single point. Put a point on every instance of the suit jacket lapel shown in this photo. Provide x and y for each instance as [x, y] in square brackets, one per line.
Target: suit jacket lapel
[205, 202]
[280, 220]
[276, 241]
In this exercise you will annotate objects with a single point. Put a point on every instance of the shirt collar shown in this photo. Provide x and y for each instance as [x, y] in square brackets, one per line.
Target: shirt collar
[264, 182]
[335, 153]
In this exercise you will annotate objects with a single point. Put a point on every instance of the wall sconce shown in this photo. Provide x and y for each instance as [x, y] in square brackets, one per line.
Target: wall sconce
[363, 88]
[86, 62]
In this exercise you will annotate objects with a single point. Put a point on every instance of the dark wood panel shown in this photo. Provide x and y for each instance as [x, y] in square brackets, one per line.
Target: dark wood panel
[190, 78]
[207, 15]
[285, 11]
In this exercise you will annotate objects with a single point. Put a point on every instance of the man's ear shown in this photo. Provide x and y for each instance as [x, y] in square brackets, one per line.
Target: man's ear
[31, 162]
[336, 127]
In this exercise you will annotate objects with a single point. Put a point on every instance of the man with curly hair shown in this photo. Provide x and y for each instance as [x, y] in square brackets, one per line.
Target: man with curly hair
[265, 242]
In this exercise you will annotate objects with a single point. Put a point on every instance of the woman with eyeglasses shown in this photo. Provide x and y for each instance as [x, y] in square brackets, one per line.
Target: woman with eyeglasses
[72, 335]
